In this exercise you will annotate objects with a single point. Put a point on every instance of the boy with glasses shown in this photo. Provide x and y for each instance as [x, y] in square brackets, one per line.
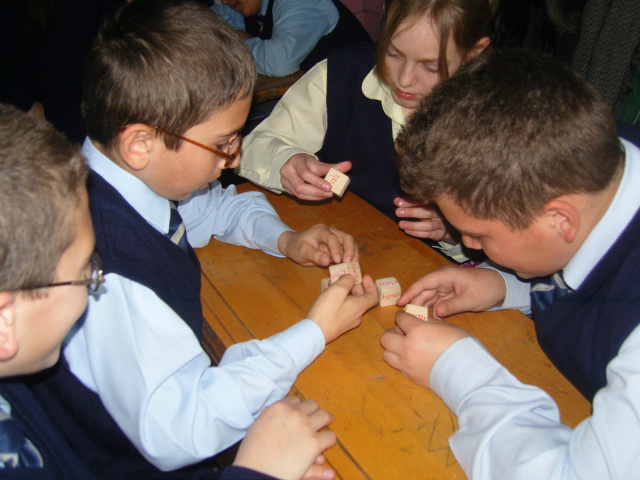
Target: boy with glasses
[42, 248]
[167, 90]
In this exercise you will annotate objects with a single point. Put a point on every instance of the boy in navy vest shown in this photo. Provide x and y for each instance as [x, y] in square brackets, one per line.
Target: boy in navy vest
[42, 248]
[522, 157]
[167, 90]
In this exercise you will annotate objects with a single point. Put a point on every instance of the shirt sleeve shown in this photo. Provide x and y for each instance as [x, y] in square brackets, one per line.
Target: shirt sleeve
[297, 124]
[511, 430]
[297, 28]
[245, 219]
[518, 292]
[229, 15]
[177, 409]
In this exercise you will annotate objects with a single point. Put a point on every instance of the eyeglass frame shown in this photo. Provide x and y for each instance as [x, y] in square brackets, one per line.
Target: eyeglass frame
[229, 158]
[92, 284]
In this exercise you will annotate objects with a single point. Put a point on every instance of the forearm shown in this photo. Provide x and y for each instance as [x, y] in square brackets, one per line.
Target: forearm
[246, 219]
[177, 409]
[298, 124]
[511, 430]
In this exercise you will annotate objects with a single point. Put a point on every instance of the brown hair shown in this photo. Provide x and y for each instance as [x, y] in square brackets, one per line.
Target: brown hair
[508, 133]
[39, 192]
[466, 20]
[168, 63]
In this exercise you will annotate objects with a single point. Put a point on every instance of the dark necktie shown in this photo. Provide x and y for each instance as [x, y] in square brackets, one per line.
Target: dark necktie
[547, 290]
[15, 450]
[177, 233]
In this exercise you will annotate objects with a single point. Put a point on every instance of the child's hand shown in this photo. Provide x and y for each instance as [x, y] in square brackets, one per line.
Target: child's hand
[431, 223]
[414, 345]
[303, 176]
[453, 289]
[319, 245]
[335, 311]
[286, 441]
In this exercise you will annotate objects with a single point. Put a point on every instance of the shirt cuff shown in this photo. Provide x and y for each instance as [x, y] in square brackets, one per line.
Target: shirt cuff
[517, 292]
[304, 341]
[269, 230]
[465, 355]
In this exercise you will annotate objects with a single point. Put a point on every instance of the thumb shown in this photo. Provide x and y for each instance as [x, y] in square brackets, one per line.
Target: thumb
[446, 308]
[342, 167]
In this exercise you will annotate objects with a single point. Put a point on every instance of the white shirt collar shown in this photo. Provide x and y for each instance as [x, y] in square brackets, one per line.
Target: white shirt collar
[373, 89]
[624, 206]
[152, 207]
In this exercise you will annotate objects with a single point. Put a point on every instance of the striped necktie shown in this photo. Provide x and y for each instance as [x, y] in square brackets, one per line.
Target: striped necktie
[177, 232]
[15, 450]
[547, 290]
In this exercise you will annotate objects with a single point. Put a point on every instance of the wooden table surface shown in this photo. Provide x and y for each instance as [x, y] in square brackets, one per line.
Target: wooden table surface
[387, 427]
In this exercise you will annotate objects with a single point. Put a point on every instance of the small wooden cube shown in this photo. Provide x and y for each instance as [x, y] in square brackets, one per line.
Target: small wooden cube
[339, 181]
[324, 284]
[350, 268]
[418, 311]
[388, 291]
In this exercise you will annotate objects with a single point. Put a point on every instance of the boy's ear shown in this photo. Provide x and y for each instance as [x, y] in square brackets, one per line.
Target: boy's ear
[136, 144]
[8, 342]
[564, 217]
[478, 48]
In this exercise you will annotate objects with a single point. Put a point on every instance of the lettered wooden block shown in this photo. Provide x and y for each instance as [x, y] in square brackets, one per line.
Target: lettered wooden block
[324, 284]
[418, 311]
[388, 291]
[339, 181]
[350, 268]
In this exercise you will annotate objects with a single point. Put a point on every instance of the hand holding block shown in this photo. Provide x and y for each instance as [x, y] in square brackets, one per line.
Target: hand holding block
[388, 291]
[350, 268]
[339, 181]
[418, 311]
[324, 284]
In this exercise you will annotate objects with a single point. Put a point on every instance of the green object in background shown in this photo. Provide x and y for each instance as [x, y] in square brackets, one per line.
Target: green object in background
[631, 112]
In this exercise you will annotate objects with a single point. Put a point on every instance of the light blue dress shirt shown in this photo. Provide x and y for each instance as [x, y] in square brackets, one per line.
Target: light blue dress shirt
[146, 364]
[508, 430]
[298, 25]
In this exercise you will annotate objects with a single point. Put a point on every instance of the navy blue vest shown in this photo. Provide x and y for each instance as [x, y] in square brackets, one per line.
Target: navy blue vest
[582, 331]
[60, 461]
[132, 248]
[358, 129]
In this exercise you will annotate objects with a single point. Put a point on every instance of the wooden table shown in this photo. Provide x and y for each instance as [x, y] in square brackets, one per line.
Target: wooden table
[387, 427]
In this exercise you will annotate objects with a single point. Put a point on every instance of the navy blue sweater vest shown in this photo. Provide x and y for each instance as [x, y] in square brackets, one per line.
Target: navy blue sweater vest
[582, 331]
[60, 461]
[358, 129]
[132, 248]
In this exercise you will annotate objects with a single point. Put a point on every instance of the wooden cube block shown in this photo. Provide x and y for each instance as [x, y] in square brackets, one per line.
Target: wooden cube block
[418, 311]
[350, 268]
[339, 181]
[388, 291]
[324, 284]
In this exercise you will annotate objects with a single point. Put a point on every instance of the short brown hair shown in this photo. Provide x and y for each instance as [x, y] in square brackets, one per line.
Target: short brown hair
[168, 63]
[508, 133]
[39, 192]
[467, 20]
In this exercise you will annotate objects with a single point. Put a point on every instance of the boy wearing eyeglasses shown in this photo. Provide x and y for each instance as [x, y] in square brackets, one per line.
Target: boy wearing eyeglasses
[167, 89]
[46, 266]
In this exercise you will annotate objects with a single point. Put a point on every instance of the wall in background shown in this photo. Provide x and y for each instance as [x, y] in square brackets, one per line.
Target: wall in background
[368, 12]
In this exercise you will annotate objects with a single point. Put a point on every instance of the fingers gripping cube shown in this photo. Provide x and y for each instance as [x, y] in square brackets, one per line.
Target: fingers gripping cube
[339, 181]
[388, 291]
[418, 311]
[350, 268]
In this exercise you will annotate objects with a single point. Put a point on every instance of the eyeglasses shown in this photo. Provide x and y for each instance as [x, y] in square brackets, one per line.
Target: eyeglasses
[92, 283]
[233, 147]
